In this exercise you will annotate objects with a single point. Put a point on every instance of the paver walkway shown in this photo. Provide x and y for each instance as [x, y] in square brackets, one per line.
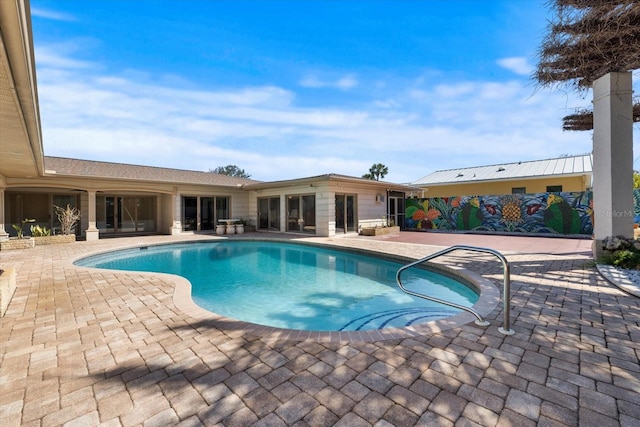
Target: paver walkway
[86, 347]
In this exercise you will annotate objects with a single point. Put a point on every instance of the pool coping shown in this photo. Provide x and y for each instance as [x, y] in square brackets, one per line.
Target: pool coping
[489, 298]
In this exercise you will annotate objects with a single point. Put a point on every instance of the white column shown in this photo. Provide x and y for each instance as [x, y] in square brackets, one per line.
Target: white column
[176, 227]
[92, 232]
[613, 156]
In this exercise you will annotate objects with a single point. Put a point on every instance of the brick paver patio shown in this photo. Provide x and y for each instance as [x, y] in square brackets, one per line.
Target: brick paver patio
[87, 347]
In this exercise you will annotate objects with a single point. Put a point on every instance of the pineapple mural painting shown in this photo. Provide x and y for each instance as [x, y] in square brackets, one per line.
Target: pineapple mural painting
[511, 214]
[548, 213]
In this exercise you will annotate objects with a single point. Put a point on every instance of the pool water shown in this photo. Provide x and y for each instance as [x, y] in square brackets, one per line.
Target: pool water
[296, 286]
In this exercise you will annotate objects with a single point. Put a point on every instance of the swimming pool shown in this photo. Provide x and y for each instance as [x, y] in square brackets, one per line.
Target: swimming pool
[295, 286]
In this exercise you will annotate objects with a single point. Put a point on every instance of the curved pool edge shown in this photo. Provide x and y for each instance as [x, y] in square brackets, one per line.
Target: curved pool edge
[489, 298]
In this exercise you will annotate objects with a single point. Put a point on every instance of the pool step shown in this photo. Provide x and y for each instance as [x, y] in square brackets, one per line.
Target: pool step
[398, 318]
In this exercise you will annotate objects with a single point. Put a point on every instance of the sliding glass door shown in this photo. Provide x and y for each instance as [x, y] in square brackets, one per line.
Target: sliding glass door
[207, 215]
[269, 213]
[345, 213]
[301, 213]
[126, 214]
[203, 213]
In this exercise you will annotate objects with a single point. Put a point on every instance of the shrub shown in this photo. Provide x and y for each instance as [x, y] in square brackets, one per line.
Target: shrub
[626, 259]
[68, 218]
[37, 231]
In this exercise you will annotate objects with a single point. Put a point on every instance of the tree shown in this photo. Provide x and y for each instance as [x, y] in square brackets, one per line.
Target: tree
[231, 170]
[596, 44]
[588, 39]
[376, 172]
[636, 179]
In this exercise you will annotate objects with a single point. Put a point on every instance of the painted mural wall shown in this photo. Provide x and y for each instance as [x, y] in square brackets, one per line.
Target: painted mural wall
[567, 213]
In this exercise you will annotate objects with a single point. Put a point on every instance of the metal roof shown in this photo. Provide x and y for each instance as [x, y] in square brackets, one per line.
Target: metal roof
[561, 166]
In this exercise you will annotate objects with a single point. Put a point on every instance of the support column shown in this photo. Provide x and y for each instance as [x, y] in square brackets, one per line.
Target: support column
[176, 227]
[92, 232]
[3, 233]
[612, 157]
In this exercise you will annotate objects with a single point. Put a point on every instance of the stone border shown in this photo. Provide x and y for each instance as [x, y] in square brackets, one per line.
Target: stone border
[617, 278]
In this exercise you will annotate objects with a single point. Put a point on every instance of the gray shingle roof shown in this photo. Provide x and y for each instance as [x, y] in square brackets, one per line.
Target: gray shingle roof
[88, 168]
[570, 165]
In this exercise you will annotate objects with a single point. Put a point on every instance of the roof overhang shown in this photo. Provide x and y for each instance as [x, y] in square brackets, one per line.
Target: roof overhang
[588, 175]
[21, 152]
[361, 182]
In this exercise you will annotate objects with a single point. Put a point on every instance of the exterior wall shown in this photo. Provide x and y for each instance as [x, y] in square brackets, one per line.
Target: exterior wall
[369, 210]
[325, 211]
[240, 205]
[293, 190]
[371, 207]
[541, 213]
[166, 213]
[569, 184]
[167, 206]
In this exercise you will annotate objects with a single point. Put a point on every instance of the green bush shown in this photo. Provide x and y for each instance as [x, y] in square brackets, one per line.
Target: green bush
[38, 231]
[626, 259]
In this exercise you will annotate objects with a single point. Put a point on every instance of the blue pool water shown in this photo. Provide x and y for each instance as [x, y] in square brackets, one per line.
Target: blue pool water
[296, 286]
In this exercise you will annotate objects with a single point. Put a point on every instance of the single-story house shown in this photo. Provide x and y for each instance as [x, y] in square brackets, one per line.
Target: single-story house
[567, 173]
[120, 199]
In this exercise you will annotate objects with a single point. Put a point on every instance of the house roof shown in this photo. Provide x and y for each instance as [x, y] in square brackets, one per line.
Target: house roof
[60, 166]
[561, 166]
[331, 177]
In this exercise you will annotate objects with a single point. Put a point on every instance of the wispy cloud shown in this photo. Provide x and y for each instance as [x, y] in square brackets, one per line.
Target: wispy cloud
[343, 83]
[50, 14]
[518, 65]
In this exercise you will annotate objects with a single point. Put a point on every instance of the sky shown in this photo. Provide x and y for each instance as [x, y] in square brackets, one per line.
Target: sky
[294, 89]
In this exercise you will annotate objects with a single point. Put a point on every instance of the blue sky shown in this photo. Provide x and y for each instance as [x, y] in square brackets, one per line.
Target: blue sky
[291, 89]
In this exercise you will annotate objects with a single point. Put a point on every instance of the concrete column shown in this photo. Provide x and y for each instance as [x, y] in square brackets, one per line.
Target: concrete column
[3, 233]
[92, 232]
[176, 227]
[612, 156]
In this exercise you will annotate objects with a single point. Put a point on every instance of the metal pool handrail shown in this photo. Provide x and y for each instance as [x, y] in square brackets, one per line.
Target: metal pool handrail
[506, 298]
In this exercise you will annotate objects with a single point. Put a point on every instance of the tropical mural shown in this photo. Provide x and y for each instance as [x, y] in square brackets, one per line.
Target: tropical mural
[550, 213]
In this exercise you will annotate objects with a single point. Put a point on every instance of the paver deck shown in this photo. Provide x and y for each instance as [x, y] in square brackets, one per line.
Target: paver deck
[87, 347]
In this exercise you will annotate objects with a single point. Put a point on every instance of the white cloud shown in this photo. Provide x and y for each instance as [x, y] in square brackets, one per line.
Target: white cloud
[414, 130]
[518, 65]
[343, 83]
[49, 14]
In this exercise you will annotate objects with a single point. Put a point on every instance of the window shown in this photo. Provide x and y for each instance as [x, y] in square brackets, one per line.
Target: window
[554, 188]
[518, 190]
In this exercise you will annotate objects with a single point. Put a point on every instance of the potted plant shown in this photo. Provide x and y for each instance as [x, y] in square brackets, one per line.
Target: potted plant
[20, 241]
[20, 228]
[240, 226]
